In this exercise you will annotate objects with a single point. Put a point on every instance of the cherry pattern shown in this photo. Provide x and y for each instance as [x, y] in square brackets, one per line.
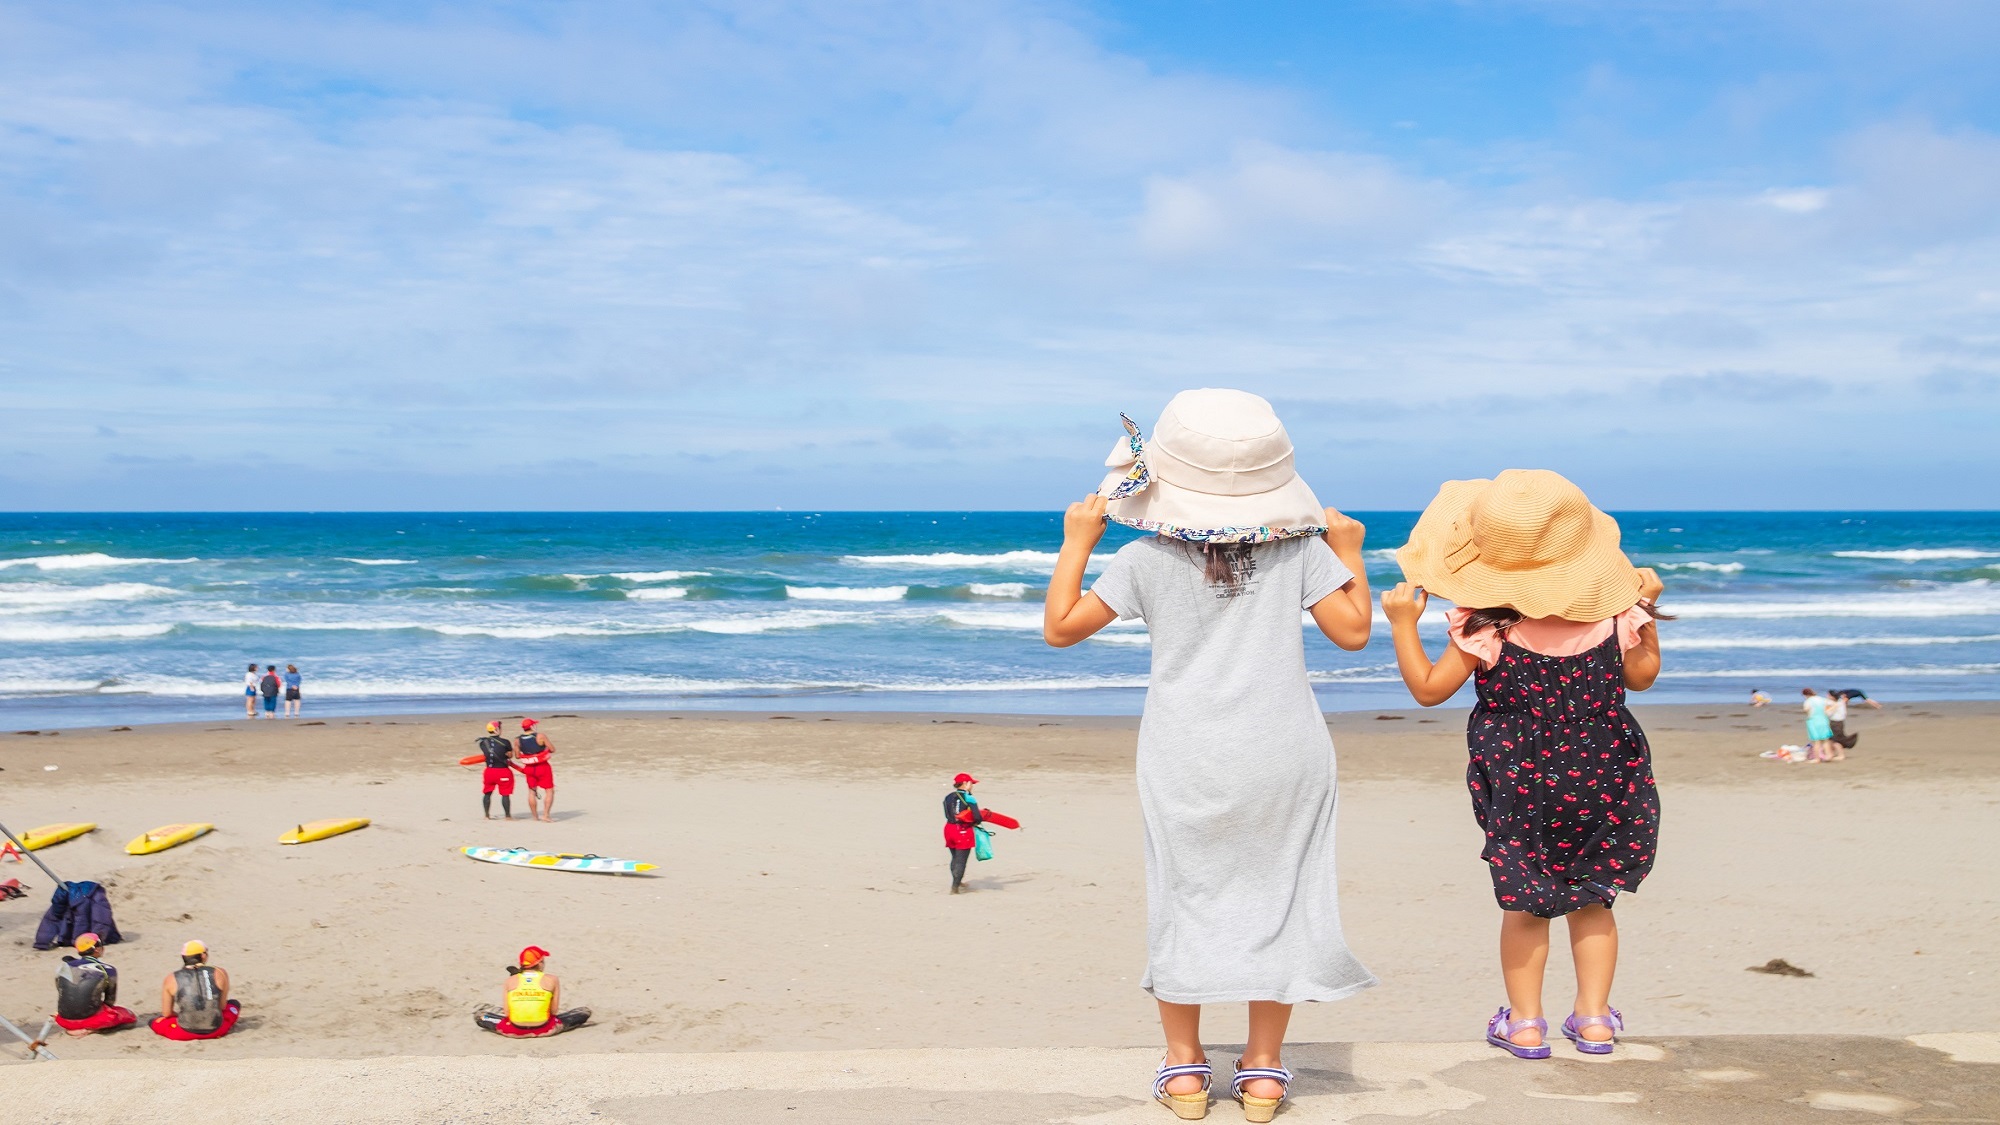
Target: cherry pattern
[1561, 779]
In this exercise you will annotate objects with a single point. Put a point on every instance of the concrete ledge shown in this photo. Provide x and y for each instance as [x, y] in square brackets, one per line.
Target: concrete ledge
[1725, 1080]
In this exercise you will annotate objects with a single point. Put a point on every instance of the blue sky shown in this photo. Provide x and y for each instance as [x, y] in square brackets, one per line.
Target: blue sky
[906, 255]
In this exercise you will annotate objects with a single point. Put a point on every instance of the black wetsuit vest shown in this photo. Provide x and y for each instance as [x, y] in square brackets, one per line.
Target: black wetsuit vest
[496, 750]
[197, 1000]
[84, 985]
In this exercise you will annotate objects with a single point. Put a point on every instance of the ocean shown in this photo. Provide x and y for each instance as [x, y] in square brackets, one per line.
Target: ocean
[119, 619]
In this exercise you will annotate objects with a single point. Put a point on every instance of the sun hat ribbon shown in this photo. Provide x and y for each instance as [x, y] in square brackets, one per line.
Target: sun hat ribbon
[1218, 470]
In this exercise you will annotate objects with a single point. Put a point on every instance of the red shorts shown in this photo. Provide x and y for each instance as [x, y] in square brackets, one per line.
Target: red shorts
[168, 1027]
[539, 776]
[107, 1018]
[499, 781]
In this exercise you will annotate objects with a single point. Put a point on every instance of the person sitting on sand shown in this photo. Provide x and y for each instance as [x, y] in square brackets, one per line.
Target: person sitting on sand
[533, 1004]
[499, 774]
[87, 991]
[532, 752]
[194, 999]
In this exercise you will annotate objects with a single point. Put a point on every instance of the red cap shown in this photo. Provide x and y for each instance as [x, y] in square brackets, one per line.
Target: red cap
[532, 956]
[965, 779]
[527, 724]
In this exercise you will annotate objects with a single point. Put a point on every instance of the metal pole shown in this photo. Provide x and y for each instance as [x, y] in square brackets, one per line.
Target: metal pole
[31, 855]
[36, 1049]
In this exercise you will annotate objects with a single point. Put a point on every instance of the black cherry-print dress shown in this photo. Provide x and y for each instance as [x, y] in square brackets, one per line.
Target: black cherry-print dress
[1561, 780]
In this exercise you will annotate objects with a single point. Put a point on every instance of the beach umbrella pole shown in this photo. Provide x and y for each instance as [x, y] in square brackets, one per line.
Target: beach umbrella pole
[31, 855]
[37, 1048]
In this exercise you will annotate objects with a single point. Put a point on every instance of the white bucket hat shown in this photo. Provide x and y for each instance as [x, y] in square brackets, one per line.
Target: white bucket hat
[1217, 470]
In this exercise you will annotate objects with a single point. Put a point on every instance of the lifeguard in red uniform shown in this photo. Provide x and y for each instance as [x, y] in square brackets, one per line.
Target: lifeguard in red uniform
[962, 818]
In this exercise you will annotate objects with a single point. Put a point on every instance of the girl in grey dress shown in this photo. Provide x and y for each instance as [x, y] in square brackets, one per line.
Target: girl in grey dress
[1235, 768]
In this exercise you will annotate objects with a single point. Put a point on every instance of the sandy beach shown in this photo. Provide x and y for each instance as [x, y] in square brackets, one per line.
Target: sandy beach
[800, 902]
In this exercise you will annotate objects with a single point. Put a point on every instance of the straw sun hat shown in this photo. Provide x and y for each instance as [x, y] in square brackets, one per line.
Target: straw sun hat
[1217, 470]
[1527, 539]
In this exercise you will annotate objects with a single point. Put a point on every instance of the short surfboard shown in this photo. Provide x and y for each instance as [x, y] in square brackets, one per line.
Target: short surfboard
[559, 861]
[321, 829]
[166, 836]
[35, 839]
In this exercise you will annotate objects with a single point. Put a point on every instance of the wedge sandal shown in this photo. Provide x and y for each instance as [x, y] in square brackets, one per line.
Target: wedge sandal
[1187, 1107]
[1255, 1108]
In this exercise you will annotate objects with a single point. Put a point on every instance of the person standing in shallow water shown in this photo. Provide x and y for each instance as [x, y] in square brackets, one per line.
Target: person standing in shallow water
[1236, 775]
[1554, 624]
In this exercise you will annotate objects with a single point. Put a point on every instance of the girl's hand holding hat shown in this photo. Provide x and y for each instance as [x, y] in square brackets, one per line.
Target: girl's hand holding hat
[1650, 586]
[1404, 604]
[1083, 523]
[1343, 533]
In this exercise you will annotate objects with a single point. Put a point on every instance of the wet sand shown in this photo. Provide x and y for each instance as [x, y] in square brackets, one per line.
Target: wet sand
[800, 902]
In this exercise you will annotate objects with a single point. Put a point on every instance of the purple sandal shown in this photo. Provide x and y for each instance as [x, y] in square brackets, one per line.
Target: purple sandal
[1573, 1031]
[1500, 1029]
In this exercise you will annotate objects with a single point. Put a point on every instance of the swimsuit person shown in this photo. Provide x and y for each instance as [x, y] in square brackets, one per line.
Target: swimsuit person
[533, 1003]
[1554, 625]
[499, 773]
[533, 749]
[87, 991]
[194, 999]
[962, 816]
[1236, 776]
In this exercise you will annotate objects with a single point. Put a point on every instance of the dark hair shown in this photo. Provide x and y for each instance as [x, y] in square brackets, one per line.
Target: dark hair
[1223, 566]
[1502, 618]
[1807, 691]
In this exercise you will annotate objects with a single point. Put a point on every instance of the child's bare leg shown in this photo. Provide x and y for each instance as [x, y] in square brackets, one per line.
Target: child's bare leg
[1182, 1023]
[1593, 945]
[1524, 953]
[1268, 1020]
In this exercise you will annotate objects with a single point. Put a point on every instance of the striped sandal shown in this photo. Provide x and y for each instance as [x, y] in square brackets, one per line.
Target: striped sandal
[1187, 1107]
[1574, 1025]
[1256, 1108]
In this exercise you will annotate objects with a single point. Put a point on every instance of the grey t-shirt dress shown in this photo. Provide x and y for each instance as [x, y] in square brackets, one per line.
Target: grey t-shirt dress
[1236, 777]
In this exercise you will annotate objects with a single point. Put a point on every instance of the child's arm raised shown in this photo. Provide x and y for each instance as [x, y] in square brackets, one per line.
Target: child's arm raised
[1068, 614]
[1430, 684]
[1642, 661]
[1347, 614]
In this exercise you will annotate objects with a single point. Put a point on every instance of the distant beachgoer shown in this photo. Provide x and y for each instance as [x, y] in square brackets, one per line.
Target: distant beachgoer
[532, 752]
[269, 685]
[962, 818]
[1856, 695]
[1819, 731]
[292, 680]
[1759, 698]
[250, 679]
[1555, 626]
[87, 991]
[194, 999]
[1237, 785]
[533, 1004]
[1836, 718]
[499, 773]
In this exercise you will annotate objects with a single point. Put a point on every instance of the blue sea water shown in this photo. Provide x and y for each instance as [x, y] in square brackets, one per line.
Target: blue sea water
[140, 618]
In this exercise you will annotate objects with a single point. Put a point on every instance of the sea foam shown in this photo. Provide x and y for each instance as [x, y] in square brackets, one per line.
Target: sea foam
[1919, 554]
[846, 593]
[87, 561]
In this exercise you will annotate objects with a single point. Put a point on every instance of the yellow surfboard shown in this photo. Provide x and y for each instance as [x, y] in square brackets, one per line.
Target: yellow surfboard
[166, 836]
[320, 829]
[35, 839]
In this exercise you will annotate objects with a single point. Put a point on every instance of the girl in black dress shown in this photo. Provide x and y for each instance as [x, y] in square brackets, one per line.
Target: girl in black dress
[1554, 625]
